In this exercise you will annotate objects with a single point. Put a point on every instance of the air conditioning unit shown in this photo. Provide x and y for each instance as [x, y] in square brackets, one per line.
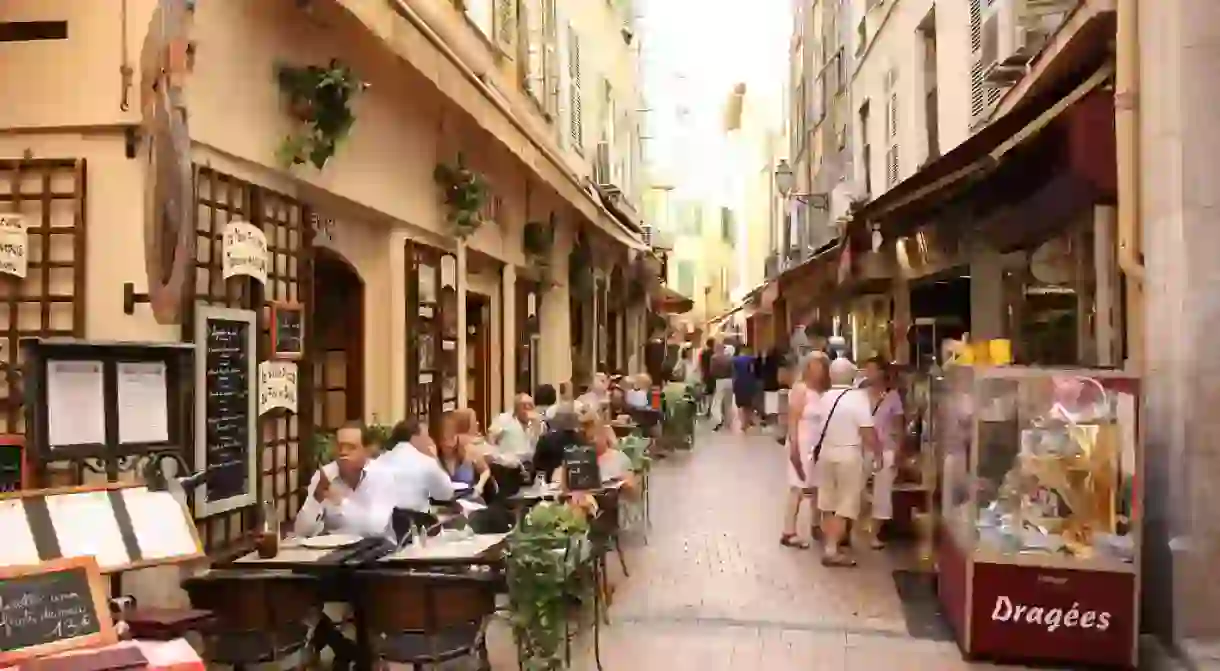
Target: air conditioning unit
[1014, 31]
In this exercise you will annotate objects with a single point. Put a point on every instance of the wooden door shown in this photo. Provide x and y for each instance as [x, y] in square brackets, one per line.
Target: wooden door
[431, 279]
[478, 355]
[339, 354]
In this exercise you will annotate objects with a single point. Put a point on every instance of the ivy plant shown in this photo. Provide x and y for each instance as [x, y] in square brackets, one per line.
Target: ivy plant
[464, 192]
[537, 240]
[540, 561]
[320, 99]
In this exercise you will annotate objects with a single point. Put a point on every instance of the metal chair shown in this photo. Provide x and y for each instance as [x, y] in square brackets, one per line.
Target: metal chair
[423, 619]
[261, 620]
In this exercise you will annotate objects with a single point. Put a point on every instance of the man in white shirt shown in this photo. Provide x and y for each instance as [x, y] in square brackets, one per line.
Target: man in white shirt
[510, 434]
[350, 495]
[848, 436]
[418, 477]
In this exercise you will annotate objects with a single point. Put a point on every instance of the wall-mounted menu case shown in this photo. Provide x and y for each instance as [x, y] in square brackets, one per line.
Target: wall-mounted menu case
[1040, 533]
[226, 370]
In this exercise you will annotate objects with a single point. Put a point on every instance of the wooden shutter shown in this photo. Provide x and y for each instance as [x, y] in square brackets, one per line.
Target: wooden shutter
[504, 25]
[532, 19]
[550, 57]
[576, 119]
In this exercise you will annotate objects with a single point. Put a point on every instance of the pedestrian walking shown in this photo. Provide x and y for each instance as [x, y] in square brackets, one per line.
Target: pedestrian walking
[888, 416]
[721, 371]
[745, 386]
[840, 458]
[705, 374]
[804, 430]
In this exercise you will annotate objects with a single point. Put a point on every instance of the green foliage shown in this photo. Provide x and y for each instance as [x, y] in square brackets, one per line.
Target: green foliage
[323, 447]
[320, 97]
[541, 557]
[538, 238]
[464, 192]
[580, 270]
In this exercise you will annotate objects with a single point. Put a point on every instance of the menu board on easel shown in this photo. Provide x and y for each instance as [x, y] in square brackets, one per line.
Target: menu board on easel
[226, 369]
[52, 607]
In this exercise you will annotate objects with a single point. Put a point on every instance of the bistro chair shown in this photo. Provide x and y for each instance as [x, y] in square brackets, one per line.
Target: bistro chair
[424, 618]
[261, 619]
[404, 521]
[605, 531]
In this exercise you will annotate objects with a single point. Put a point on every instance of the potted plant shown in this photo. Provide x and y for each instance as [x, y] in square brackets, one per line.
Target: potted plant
[580, 270]
[323, 447]
[538, 240]
[541, 561]
[320, 99]
[464, 192]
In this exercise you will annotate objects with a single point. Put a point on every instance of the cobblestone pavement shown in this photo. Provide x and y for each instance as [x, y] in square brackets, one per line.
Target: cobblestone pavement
[712, 589]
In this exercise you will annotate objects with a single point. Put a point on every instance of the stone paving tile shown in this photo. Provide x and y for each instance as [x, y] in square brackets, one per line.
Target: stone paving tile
[713, 589]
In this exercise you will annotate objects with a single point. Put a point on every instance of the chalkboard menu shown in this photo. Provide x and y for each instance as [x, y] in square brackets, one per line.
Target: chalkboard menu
[225, 406]
[580, 468]
[55, 606]
[11, 467]
[288, 331]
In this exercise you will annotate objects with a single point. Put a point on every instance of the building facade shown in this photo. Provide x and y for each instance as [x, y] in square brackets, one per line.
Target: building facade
[538, 100]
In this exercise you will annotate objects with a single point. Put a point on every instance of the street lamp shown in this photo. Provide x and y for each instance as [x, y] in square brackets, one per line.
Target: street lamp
[785, 182]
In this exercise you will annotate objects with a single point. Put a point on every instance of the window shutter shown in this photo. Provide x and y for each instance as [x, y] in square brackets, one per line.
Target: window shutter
[532, 23]
[505, 26]
[550, 58]
[891, 168]
[576, 127]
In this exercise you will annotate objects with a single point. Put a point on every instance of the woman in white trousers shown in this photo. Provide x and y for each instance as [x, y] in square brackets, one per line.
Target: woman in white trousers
[722, 396]
[888, 419]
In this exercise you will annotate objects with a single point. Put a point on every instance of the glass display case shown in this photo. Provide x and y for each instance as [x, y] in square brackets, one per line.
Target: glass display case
[1039, 516]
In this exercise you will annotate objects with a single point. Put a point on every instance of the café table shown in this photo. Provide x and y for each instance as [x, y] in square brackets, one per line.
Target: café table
[448, 549]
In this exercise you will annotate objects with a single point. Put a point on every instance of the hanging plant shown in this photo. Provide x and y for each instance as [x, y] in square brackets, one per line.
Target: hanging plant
[541, 561]
[580, 269]
[537, 241]
[320, 99]
[464, 192]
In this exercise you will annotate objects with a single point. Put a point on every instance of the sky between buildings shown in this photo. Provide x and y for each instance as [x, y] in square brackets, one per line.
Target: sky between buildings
[695, 51]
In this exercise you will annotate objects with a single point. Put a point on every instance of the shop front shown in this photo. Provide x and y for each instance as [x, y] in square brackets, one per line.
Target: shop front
[1006, 287]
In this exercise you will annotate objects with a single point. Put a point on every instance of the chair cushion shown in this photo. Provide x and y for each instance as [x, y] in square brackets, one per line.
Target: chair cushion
[416, 647]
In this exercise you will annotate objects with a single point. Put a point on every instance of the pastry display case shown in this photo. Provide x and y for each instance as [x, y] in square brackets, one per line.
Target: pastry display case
[1039, 519]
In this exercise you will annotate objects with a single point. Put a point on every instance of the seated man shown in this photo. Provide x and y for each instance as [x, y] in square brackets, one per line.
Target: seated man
[350, 495]
[563, 431]
[418, 477]
[510, 434]
[637, 396]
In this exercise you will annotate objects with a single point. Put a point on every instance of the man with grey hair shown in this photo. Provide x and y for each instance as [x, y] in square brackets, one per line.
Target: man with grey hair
[847, 437]
[511, 435]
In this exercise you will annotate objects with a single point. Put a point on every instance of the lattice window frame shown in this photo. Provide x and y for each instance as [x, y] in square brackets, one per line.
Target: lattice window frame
[284, 442]
[54, 291]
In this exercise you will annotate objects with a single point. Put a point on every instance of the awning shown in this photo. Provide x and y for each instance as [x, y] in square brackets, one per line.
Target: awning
[978, 154]
[667, 301]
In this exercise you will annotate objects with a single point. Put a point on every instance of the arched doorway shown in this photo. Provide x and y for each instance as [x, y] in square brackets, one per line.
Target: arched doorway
[338, 324]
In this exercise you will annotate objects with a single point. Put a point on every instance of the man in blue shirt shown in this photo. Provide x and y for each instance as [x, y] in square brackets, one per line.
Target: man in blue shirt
[745, 386]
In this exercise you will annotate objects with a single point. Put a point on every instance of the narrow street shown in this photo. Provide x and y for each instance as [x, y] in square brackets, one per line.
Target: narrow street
[713, 589]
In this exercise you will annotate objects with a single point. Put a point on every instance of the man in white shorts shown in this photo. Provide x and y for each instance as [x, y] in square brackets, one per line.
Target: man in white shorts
[849, 446]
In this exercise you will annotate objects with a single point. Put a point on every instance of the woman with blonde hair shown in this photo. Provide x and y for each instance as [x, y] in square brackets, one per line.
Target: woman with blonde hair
[456, 459]
[804, 429]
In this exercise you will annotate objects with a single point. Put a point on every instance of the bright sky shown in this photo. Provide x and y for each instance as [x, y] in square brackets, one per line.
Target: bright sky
[695, 51]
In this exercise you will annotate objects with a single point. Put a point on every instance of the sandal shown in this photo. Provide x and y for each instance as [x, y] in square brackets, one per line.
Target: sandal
[791, 541]
[838, 561]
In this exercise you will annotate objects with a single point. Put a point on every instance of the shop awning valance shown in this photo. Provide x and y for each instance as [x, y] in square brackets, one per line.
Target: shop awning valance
[979, 154]
[668, 301]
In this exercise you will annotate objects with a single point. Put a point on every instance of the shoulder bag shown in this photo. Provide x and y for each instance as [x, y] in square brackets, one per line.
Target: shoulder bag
[817, 449]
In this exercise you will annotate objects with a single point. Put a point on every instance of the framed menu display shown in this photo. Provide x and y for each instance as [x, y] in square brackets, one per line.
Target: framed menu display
[51, 608]
[226, 370]
[287, 330]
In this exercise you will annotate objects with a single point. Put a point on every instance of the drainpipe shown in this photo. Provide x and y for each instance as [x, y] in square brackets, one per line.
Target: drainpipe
[1127, 155]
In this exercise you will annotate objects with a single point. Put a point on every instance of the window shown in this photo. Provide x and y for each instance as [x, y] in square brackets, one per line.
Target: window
[727, 225]
[690, 219]
[686, 278]
[891, 126]
[866, 149]
[505, 28]
[576, 127]
[482, 14]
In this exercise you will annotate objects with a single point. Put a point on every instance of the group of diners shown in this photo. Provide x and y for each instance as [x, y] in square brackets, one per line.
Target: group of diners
[365, 489]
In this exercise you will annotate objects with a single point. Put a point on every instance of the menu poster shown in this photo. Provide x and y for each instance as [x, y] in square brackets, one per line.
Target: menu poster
[53, 607]
[277, 386]
[14, 244]
[245, 251]
[76, 411]
[225, 375]
[287, 331]
[580, 468]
